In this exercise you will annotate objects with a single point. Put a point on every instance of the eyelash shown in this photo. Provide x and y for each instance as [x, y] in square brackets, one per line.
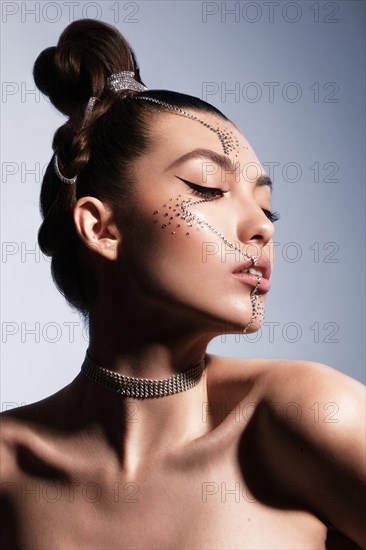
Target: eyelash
[213, 192]
[271, 215]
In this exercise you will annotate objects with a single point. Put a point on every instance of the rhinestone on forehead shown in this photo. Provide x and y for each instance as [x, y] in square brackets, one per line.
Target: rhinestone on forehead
[228, 141]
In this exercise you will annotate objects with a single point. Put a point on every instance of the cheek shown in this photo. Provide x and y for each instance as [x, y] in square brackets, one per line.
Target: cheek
[172, 218]
[170, 239]
[164, 250]
[177, 243]
[181, 226]
[182, 250]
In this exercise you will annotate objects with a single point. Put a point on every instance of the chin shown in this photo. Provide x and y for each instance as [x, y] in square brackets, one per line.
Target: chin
[234, 324]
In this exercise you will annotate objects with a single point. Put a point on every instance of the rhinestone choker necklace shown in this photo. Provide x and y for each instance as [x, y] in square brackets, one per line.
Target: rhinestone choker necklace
[143, 387]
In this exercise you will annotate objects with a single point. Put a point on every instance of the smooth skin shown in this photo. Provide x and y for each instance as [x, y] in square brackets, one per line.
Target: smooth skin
[259, 454]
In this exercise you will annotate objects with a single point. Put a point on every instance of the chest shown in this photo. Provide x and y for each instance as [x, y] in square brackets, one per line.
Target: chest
[207, 509]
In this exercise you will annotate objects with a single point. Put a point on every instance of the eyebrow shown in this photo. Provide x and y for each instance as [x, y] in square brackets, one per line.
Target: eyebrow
[224, 162]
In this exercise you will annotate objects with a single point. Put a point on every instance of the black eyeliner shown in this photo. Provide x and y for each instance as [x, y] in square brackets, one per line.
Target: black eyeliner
[201, 186]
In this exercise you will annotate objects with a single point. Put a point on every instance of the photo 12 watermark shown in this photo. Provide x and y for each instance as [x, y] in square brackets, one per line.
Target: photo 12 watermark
[52, 12]
[267, 11]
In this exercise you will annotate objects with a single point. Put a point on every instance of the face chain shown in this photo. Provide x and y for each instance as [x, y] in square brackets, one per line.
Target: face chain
[257, 307]
[186, 215]
[229, 143]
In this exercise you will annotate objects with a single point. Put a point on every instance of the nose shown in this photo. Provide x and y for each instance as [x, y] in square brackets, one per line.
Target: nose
[253, 225]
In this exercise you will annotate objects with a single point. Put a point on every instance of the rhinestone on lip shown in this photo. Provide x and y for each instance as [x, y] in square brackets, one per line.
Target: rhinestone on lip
[254, 296]
[255, 307]
[189, 216]
[227, 144]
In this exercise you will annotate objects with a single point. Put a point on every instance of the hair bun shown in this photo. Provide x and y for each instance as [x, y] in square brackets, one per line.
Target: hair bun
[44, 70]
[87, 52]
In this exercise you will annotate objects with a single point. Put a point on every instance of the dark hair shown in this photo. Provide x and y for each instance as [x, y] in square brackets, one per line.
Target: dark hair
[102, 153]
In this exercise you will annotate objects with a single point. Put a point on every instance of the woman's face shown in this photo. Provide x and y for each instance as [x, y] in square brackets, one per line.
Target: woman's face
[183, 266]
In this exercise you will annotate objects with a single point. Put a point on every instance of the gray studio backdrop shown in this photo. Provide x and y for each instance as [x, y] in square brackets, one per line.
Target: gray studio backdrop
[291, 76]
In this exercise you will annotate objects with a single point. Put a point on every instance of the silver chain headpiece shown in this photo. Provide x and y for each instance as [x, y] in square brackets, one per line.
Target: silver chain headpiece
[124, 81]
[115, 82]
[143, 387]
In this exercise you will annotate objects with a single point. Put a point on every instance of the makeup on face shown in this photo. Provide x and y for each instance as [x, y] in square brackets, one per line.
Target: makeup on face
[176, 213]
[177, 217]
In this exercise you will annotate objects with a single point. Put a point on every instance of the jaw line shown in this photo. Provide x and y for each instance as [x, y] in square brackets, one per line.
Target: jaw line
[254, 295]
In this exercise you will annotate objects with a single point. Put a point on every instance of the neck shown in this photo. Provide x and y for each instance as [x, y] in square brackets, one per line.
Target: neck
[139, 431]
[142, 388]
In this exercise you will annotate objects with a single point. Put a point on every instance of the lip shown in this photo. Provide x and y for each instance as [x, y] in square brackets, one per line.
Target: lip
[263, 264]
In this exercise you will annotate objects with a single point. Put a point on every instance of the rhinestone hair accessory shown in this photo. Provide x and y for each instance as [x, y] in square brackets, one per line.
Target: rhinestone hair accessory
[69, 181]
[87, 114]
[115, 82]
[124, 81]
[141, 388]
[88, 110]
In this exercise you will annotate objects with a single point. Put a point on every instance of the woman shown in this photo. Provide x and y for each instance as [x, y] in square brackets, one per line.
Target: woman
[157, 219]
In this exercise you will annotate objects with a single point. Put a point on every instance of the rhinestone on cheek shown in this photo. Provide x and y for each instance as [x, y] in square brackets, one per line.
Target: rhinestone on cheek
[228, 143]
[254, 297]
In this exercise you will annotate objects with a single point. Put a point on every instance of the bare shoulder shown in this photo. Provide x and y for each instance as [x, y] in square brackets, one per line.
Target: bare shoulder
[311, 432]
[12, 435]
[15, 432]
[323, 403]
[310, 379]
[7, 459]
[25, 430]
[307, 399]
[316, 434]
[290, 380]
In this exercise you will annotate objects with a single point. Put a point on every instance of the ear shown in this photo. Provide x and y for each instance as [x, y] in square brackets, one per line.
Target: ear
[94, 225]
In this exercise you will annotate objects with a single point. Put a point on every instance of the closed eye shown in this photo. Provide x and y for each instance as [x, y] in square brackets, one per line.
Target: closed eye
[213, 192]
[201, 190]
